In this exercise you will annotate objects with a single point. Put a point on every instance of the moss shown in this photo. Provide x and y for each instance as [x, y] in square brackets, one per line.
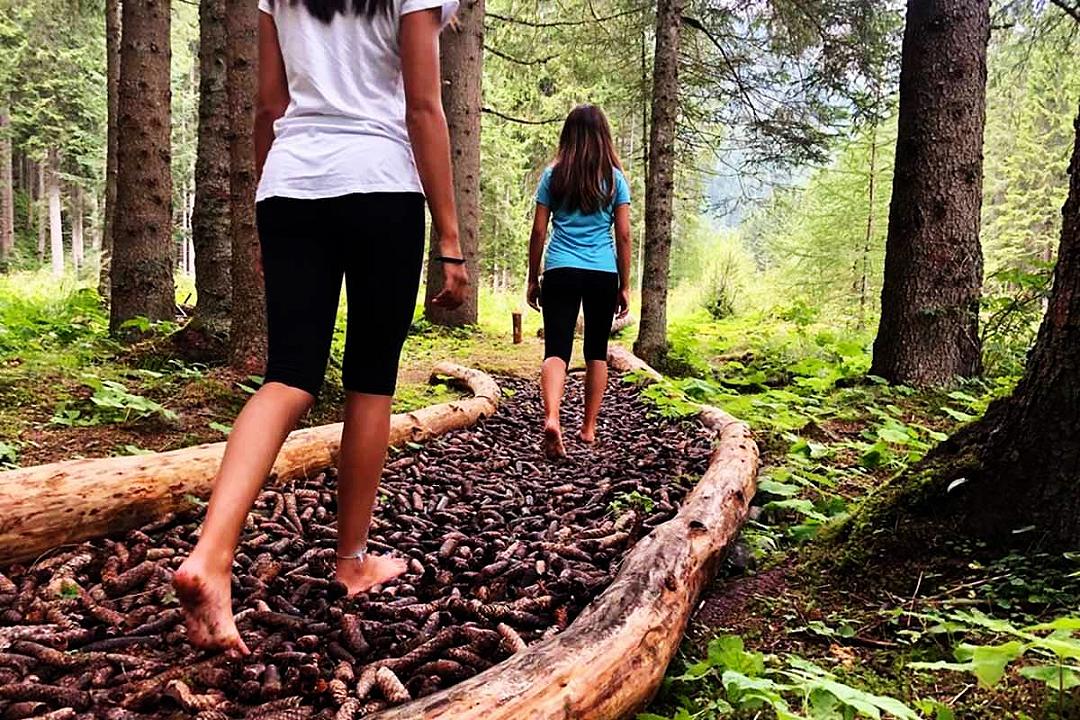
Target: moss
[902, 516]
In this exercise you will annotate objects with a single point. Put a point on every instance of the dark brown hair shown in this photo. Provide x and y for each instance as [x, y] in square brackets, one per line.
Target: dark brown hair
[325, 10]
[583, 177]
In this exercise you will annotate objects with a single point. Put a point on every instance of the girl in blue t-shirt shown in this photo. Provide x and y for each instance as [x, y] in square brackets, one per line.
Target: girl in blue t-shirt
[583, 195]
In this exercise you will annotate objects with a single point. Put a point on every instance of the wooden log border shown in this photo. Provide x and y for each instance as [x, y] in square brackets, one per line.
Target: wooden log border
[46, 506]
[609, 663]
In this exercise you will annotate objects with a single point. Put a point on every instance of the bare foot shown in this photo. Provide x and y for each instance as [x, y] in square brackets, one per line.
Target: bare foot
[587, 436]
[206, 601]
[361, 575]
[553, 443]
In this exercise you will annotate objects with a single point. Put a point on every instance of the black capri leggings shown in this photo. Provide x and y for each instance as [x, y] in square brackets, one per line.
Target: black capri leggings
[564, 291]
[376, 242]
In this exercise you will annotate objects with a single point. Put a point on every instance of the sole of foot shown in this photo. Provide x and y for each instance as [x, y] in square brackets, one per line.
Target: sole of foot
[553, 444]
[362, 575]
[206, 604]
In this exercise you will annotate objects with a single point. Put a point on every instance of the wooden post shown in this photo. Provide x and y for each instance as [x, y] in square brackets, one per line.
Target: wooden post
[517, 327]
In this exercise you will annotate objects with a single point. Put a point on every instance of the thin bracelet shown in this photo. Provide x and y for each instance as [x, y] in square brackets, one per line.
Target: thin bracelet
[358, 555]
[450, 260]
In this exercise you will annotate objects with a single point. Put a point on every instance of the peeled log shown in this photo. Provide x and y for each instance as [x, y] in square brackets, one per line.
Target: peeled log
[610, 661]
[65, 502]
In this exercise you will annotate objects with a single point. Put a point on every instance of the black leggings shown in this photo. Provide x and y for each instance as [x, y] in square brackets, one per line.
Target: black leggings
[564, 292]
[376, 241]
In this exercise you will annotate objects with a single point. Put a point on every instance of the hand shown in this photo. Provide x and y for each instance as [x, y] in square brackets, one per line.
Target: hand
[532, 295]
[455, 283]
[622, 305]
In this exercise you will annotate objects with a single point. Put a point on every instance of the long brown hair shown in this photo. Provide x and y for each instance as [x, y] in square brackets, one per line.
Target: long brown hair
[583, 177]
[325, 10]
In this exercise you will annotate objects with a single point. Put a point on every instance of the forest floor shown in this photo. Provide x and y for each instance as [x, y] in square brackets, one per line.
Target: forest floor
[775, 635]
[778, 631]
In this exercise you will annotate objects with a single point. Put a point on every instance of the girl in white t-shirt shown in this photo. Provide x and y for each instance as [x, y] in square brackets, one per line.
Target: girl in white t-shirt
[350, 136]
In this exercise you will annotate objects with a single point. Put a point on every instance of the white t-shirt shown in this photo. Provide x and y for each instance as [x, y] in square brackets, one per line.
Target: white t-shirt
[344, 130]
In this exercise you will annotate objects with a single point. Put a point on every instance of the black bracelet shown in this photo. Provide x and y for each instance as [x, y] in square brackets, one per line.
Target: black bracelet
[450, 260]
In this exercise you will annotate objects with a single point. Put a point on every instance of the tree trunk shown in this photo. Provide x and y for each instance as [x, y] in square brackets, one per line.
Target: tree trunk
[112, 70]
[77, 210]
[211, 229]
[7, 191]
[142, 278]
[652, 341]
[1015, 474]
[94, 229]
[462, 59]
[929, 329]
[248, 326]
[868, 239]
[43, 213]
[56, 227]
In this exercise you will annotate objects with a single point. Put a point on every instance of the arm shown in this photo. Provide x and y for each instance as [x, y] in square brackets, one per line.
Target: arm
[430, 140]
[273, 95]
[536, 252]
[623, 252]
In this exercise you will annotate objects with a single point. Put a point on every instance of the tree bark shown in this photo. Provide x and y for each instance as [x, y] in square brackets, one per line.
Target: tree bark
[929, 329]
[78, 208]
[247, 335]
[652, 341]
[142, 278]
[69, 501]
[462, 59]
[112, 90]
[7, 191]
[1014, 474]
[56, 227]
[211, 228]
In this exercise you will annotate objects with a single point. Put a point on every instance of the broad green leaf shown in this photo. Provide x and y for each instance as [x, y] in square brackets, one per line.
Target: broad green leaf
[1055, 677]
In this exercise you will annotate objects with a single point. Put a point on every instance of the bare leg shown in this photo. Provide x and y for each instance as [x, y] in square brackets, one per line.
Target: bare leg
[596, 376]
[553, 385]
[363, 453]
[203, 582]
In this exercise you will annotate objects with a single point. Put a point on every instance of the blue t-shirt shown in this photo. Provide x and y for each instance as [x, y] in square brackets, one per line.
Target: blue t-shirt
[580, 240]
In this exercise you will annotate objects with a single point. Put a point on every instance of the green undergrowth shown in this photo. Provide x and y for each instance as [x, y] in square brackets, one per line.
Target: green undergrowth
[965, 634]
[66, 384]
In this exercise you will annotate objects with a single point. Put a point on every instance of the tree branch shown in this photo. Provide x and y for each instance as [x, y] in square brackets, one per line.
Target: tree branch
[561, 23]
[521, 121]
[510, 58]
[698, 25]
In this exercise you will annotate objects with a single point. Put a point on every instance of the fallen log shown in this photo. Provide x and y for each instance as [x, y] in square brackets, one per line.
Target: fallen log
[609, 663]
[65, 502]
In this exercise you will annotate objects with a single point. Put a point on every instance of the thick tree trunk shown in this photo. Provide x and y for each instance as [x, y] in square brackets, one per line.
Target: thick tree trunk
[652, 341]
[56, 227]
[7, 191]
[248, 326]
[112, 70]
[929, 330]
[142, 277]
[211, 228]
[462, 59]
[78, 208]
[69, 501]
[1015, 474]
